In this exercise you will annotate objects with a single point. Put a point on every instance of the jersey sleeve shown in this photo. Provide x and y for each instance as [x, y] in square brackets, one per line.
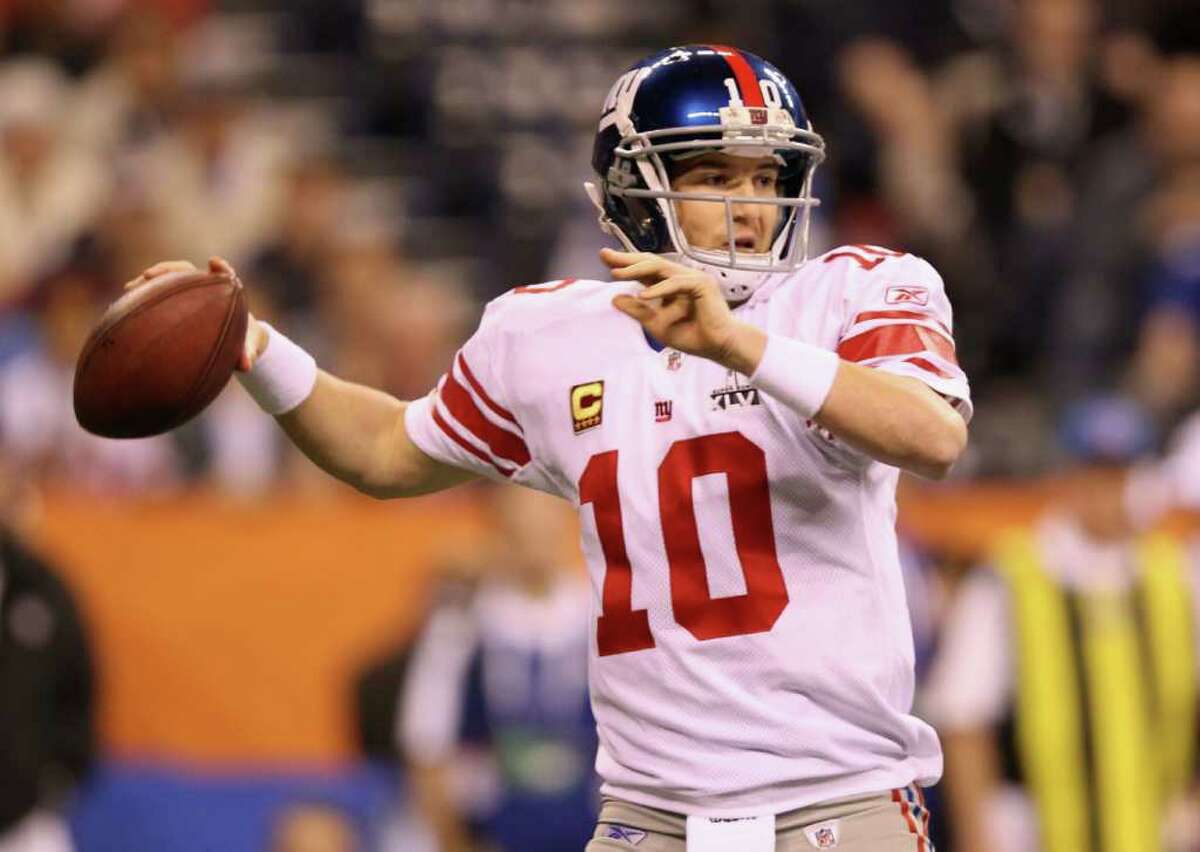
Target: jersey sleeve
[465, 421]
[898, 319]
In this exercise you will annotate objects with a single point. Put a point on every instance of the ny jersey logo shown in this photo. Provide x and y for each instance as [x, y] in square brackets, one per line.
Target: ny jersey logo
[735, 394]
[662, 410]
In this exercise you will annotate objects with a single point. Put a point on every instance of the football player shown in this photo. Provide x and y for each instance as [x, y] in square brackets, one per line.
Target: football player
[731, 419]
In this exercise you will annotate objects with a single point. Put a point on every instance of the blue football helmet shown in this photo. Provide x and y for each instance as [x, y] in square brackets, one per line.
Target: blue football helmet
[687, 101]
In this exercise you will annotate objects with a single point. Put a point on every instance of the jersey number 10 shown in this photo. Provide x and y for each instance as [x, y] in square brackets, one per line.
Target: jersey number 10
[620, 628]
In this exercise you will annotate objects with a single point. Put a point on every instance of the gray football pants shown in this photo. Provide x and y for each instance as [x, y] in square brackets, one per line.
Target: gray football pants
[896, 821]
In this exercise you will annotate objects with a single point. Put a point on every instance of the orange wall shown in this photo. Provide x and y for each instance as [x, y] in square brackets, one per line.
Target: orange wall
[228, 632]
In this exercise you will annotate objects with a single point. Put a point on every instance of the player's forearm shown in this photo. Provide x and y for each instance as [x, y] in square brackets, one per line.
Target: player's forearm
[357, 434]
[894, 419]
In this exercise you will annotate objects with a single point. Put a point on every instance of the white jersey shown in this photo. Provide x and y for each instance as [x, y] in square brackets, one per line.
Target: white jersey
[752, 650]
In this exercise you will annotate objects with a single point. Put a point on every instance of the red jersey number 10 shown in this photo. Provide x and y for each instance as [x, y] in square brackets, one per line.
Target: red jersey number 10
[621, 628]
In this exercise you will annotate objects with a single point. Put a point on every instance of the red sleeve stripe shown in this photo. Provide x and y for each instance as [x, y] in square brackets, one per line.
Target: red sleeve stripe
[534, 289]
[896, 340]
[742, 72]
[870, 316]
[482, 394]
[465, 444]
[929, 367]
[503, 444]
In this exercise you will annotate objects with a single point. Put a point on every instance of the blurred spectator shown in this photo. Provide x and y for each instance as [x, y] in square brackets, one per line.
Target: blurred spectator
[388, 322]
[128, 101]
[1025, 115]
[289, 270]
[1136, 216]
[47, 738]
[51, 189]
[38, 430]
[495, 719]
[1168, 353]
[216, 178]
[1065, 686]
[242, 451]
[314, 827]
[68, 31]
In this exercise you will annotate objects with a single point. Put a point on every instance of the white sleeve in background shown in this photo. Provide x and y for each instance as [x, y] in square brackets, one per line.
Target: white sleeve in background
[1152, 489]
[970, 683]
[431, 697]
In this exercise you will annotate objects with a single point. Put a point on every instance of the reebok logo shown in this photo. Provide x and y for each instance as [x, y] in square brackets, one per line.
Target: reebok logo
[907, 296]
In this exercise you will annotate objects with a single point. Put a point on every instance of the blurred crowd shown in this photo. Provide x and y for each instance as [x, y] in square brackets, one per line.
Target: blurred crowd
[377, 169]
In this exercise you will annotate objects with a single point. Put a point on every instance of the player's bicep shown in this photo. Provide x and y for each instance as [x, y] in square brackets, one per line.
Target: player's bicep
[468, 422]
[900, 322]
[416, 470]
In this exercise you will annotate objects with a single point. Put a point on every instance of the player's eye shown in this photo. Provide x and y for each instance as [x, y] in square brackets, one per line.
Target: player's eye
[766, 180]
[714, 179]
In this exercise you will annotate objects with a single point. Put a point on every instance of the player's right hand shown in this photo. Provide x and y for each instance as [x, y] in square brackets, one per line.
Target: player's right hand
[256, 335]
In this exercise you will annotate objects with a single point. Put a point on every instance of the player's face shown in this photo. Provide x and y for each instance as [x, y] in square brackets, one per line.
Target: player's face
[704, 223]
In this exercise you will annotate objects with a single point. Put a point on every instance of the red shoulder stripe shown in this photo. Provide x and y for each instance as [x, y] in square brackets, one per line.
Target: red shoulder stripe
[501, 442]
[868, 316]
[895, 340]
[465, 444]
[478, 388]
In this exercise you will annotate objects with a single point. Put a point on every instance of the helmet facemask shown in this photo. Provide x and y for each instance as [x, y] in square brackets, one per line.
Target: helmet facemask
[639, 180]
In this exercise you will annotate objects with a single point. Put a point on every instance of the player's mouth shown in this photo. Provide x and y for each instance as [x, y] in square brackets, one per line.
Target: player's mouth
[744, 244]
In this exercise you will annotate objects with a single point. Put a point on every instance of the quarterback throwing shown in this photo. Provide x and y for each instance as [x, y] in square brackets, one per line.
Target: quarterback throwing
[730, 417]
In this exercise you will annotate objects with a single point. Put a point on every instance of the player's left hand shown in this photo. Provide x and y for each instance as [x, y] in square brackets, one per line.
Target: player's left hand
[681, 307]
[256, 335]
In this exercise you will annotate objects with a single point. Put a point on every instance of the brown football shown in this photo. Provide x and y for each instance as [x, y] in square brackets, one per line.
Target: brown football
[160, 354]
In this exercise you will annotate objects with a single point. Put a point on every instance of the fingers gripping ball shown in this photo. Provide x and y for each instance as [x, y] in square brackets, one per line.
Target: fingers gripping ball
[160, 354]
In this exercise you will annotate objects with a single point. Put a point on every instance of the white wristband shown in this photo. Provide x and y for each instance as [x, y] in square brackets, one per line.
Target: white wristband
[282, 377]
[797, 374]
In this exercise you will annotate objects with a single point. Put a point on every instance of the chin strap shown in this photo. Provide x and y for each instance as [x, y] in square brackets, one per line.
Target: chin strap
[737, 285]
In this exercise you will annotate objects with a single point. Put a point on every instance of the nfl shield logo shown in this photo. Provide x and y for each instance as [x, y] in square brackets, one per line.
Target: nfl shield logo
[674, 360]
[823, 836]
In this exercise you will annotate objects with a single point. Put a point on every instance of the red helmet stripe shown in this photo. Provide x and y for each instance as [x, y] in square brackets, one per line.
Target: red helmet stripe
[743, 73]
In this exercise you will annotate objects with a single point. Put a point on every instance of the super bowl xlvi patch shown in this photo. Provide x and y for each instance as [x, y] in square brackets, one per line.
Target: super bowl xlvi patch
[823, 835]
[632, 836]
[736, 394]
